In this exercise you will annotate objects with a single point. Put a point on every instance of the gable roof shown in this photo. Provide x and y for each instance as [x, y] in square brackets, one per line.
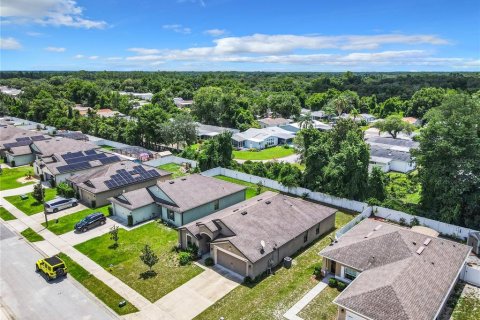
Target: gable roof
[379, 152]
[396, 282]
[274, 121]
[134, 199]
[274, 218]
[259, 135]
[195, 190]
[393, 142]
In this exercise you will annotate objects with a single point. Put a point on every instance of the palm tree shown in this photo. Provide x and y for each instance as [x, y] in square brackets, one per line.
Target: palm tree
[305, 121]
[354, 113]
[340, 103]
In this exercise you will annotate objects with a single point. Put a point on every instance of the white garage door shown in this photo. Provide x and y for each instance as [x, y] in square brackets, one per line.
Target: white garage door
[353, 316]
[232, 263]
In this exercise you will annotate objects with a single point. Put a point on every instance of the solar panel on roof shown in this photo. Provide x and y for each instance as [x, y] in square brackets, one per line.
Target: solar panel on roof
[71, 155]
[124, 177]
[39, 138]
[23, 139]
[90, 152]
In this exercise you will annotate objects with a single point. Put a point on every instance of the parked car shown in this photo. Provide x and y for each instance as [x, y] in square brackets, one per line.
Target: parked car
[52, 267]
[91, 221]
[60, 203]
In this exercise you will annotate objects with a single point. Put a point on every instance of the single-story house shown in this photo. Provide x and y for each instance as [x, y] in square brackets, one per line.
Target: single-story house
[178, 201]
[393, 272]
[253, 236]
[272, 122]
[262, 138]
[180, 103]
[296, 126]
[15, 144]
[95, 186]
[391, 143]
[140, 95]
[390, 160]
[60, 166]
[318, 115]
[46, 148]
[205, 131]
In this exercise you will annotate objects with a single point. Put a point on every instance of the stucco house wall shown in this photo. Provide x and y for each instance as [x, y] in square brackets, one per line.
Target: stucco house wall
[138, 215]
[20, 160]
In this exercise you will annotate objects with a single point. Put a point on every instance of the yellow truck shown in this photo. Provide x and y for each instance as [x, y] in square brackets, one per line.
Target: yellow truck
[52, 268]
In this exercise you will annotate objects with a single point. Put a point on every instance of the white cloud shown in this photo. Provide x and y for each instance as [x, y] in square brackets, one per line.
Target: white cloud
[9, 44]
[144, 51]
[47, 12]
[113, 58]
[177, 28]
[55, 49]
[79, 56]
[34, 34]
[215, 32]
[93, 57]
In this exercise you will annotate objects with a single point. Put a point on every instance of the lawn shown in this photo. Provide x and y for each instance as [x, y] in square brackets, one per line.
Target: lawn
[31, 235]
[124, 261]
[8, 178]
[174, 168]
[274, 295]
[103, 292]
[107, 148]
[251, 187]
[265, 154]
[321, 307]
[31, 206]
[6, 215]
[66, 223]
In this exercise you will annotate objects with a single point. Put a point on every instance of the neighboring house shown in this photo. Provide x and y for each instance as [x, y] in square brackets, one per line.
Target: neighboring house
[296, 126]
[29, 125]
[10, 91]
[46, 148]
[205, 131]
[394, 272]
[147, 96]
[109, 113]
[414, 121]
[390, 160]
[178, 201]
[75, 135]
[15, 145]
[394, 144]
[272, 122]
[367, 117]
[60, 166]
[96, 185]
[318, 115]
[253, 236]
[262, 138]
[180, 103]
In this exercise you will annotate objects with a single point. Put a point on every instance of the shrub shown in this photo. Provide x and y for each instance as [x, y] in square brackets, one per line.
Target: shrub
[332, 282]
[192, 249]
[341, 285]
[286, 146]
[65, 190]
[130, 220]
[414, 222]
[12, 163]
[248, 280]
[110, 211]
[402, 222]
[305, 195]
[317, 270]
[184, 258]
[209, 262]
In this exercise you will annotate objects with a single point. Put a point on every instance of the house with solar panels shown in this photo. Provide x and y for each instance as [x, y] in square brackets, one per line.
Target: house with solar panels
[96, 185]
[178, 201]
[58, 167]
[15, 145]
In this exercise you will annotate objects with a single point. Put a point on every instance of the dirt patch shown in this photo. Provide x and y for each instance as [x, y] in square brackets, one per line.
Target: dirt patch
[24, 180]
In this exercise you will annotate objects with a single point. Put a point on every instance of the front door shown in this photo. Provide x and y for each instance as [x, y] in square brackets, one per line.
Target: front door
[333, 266]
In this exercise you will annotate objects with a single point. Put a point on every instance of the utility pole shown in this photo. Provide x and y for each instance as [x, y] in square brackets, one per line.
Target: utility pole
[44, 208]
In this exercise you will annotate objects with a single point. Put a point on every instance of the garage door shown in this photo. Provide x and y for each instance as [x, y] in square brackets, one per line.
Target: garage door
[230, 262]
[353, 316]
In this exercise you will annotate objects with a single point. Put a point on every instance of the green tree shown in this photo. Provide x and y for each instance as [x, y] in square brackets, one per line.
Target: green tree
[448, 161]
[114, 235]
[38, 192]
[394, 124]
[208, 104]
[148, 257]
[216, 152]
[424, 100]
[377, 183]
[284, 104]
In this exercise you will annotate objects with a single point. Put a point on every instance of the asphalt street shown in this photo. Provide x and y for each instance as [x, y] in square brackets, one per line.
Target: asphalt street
[25, 294]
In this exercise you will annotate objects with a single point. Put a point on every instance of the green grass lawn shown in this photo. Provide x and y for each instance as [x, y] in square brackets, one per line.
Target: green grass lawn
[6, 215]
[321, 307]
[174, 168]
[467, 308]
[8, 178]
[108, 148]
[103, 292]
[66, 223]
[31, 235]
[127, 266]
[251, 187]
[31, 206]
[274, 295]
[265, 154]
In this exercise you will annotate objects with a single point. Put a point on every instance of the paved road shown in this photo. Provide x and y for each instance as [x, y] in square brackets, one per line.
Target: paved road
[25, 294]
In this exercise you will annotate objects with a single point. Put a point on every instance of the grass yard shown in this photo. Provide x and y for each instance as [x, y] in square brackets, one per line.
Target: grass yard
[265, 154]
[251, 187]
[99, 289]
[6, 215]
[66, 223]
[31, 206]
[31, 235]
[127, 266]
[321, 307]
[107, 148]
[174, 168]
[8, 178]
[274, 295]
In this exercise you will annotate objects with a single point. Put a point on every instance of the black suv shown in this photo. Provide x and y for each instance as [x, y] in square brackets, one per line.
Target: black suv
[91, 221]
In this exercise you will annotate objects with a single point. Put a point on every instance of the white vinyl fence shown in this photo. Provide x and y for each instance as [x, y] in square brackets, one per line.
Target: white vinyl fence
[170, 159]
[351, 205]
[105, 142]
[364, 215]
[471, 275]
[443, 228]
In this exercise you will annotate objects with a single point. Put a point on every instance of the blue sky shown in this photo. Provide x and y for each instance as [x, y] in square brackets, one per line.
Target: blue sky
[262, 35]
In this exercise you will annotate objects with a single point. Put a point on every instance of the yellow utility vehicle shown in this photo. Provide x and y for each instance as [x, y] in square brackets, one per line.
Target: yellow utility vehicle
[52, 268]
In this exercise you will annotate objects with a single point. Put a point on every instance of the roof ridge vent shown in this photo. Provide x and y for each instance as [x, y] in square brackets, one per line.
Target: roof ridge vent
[420, 250]
[427, 241]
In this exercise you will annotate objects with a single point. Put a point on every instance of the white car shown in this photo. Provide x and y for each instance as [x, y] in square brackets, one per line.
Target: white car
[60, 203]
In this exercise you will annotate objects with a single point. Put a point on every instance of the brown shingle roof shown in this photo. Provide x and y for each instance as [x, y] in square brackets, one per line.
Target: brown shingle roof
[61, 145]
[396, 282]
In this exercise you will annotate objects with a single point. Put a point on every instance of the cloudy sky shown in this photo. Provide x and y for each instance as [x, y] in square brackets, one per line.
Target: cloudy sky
[281, 35]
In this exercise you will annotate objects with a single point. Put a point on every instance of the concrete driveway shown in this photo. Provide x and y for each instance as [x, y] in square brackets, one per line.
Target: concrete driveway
[40, 217]
[74, 238]
[27, 295]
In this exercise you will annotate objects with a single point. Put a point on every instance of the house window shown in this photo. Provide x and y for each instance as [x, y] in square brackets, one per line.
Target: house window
[317, 230]
[189, 240]
[171, 215]
[350, 274]
[305, 237]
[216, 205]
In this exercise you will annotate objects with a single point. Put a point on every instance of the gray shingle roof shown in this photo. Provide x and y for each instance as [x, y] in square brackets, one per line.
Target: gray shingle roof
[19, 151]
[378, 151]
[195, 190]
[134, 199]
[396, 282]
[61, 145]
[274, 218]
[394, 142]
